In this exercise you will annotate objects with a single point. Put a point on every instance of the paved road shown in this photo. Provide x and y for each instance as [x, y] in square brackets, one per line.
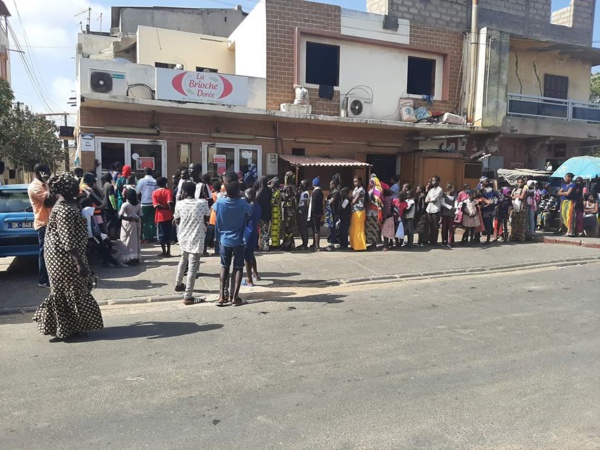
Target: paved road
[156, 278]
[481, 361]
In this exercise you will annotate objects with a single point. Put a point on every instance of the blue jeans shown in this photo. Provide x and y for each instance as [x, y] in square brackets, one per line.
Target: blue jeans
[42, 272]
[235, 253]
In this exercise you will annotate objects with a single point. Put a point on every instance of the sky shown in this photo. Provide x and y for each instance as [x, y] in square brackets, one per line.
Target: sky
[47, 32]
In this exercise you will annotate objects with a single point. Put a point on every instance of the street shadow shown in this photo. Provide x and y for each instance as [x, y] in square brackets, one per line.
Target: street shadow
[23, 265]
[150, 330]
[286, 297]
[104, 283]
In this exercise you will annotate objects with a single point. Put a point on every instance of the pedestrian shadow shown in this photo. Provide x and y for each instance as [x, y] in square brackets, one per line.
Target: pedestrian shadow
[150, 330]
[286, 297]
[107, 283]
[23, 264]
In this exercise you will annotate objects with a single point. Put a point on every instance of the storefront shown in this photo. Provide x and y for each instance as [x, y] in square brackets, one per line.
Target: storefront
[138, 153]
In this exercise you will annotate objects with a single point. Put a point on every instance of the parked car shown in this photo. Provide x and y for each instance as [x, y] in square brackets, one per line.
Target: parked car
[17, 236]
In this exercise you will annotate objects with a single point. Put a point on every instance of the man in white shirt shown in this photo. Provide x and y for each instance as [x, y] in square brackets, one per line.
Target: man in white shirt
[145, 188]
[191, 216]
[433, 202]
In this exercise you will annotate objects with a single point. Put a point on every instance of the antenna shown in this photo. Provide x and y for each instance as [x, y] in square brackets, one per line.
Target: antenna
[100, 19]
[89, 18]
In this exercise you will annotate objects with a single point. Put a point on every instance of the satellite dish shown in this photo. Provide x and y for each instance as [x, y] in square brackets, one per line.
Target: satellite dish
[356, 107]
[135, 156]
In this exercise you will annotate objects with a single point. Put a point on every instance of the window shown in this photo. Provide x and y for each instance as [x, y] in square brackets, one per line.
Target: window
[322, 64]
[421, 76]
[220, 158]
[560, 150]
[205, 69]
[298, 152]
[164, 65]
[556, 86]
[184, 154]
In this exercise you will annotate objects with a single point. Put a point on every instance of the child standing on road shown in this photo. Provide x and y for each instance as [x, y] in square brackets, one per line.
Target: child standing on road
[162, 199]
[191, 216]
[251, 238]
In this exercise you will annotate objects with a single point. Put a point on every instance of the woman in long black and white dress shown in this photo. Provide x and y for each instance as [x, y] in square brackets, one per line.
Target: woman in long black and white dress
[70, 309]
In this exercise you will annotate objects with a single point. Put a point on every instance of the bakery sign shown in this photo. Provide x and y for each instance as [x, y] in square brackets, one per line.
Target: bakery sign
[201, 87]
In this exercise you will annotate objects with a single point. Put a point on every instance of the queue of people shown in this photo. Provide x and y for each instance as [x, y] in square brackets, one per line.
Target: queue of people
[240, 214]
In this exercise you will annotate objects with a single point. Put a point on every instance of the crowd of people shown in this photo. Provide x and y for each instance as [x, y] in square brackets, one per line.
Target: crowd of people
[239, 214]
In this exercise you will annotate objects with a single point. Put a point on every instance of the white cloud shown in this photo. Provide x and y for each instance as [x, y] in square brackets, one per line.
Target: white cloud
[51, 29]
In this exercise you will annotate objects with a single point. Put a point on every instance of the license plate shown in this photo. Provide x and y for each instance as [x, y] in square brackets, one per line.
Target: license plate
[19, 225]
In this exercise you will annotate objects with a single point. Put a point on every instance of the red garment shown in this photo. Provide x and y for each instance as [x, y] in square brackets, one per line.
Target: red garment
[126, 172]
[162, 196]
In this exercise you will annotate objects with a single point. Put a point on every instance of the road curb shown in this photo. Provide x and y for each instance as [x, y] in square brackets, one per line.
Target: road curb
[416, 276]
[562, 241]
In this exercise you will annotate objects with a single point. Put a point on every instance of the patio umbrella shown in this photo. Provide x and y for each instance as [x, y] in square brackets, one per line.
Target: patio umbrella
[586, 167]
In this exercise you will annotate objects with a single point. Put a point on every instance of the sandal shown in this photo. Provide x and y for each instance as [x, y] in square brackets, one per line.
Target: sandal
[194, 300]
[222, 303]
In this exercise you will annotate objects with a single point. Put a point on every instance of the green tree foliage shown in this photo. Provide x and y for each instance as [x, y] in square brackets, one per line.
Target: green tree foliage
[25, 137]
[595, 88]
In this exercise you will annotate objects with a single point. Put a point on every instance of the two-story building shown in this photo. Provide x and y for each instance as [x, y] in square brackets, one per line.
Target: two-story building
[532, 75]
[162, 97]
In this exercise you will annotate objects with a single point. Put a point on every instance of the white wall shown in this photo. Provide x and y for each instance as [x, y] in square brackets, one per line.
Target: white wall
[250, 43]
[383, 69]
[370, 26]
[179, 47]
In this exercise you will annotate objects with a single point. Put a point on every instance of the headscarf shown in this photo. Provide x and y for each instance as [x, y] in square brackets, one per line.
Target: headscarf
[89, 178]
[288, 179]
[64, 184]
[376, 195]
[126, 172]
[316, 182]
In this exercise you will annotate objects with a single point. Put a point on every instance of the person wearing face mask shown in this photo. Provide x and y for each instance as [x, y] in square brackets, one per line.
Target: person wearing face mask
[41, 202]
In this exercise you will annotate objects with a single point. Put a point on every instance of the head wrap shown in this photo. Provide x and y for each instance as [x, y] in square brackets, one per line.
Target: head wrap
[126, 171]
[530, 183]
[288, 178]
[482, 179]
[316, 182]
[506, 191]
[64, 184]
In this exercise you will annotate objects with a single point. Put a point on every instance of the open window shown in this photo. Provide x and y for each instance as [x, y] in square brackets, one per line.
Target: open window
[322, 64]
[421, 76]
[161, 65]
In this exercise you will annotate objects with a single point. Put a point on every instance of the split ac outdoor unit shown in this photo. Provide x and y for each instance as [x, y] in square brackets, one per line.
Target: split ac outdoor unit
[358, 107]
[108, 82]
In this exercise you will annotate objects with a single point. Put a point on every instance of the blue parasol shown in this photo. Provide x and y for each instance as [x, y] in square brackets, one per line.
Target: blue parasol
[586, 167]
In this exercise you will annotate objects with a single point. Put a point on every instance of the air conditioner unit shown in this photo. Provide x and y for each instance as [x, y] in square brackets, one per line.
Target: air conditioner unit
[108, 82]
[358, 107]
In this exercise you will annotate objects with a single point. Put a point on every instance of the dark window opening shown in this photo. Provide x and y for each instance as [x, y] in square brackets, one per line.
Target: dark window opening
[205, 69]
[421, 76]
[164, 65]
[472, 170]
[298, 152]
[556, 86]
[560, 150]
[322, 64]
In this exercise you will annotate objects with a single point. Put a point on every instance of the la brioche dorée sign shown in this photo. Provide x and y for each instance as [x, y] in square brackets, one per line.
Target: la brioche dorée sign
[201, 87]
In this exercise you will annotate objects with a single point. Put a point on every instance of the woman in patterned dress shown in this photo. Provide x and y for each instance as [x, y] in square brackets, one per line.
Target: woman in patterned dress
[263, 198]
[290, 205]
[275, 214]
[70, 308]
[374, 213]
[518, 217]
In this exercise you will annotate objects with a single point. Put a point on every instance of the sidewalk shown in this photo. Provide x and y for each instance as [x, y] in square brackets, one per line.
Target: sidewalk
[552, 238]
[154, 280]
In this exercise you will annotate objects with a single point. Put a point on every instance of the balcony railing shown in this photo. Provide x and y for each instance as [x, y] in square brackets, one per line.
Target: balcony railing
[553, 108]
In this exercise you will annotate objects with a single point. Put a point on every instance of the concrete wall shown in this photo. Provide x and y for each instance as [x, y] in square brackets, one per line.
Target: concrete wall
[526, 70]
[189, 49]
[370, 26]
[249, 41]
[528, 18]
[213, 22]
[563, 17]
[383, 69]
[4, 54]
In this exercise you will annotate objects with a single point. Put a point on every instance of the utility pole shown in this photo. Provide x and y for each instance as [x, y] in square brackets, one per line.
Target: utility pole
[65, 141]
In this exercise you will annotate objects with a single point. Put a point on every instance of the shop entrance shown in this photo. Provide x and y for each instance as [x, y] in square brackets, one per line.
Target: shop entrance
[137, 153]
[384, 166]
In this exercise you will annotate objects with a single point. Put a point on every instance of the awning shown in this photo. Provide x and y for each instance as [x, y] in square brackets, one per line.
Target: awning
[511, 175]
[307, 161]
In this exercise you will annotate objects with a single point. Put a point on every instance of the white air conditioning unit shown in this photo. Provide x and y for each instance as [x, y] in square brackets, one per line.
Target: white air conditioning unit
[358, 107]
[108, 82]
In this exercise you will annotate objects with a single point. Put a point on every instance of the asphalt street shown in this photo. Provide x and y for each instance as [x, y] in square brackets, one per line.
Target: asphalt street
[507, 360]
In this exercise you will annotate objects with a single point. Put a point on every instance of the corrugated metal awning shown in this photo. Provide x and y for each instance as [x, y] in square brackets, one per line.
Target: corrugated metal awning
[307, 161]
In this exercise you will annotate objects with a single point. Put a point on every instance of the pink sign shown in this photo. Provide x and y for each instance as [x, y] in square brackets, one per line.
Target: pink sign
[145, 162]
[201, 87]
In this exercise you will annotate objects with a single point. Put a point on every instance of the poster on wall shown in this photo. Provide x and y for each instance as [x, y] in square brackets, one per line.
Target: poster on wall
[87, 142]
[221, 163]
[145, 162]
